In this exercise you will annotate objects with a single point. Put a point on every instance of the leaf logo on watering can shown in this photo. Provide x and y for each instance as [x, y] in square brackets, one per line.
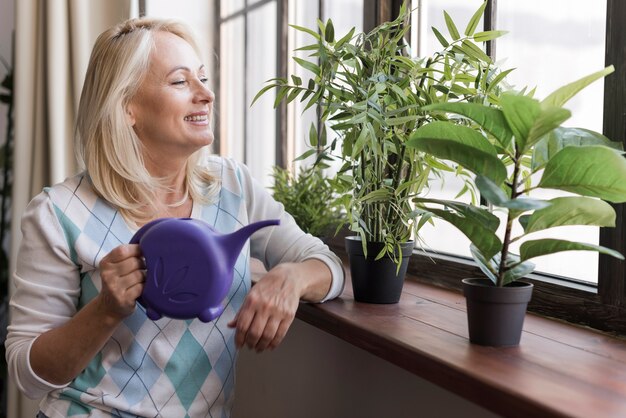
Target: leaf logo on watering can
[190, 266]
[171, 283]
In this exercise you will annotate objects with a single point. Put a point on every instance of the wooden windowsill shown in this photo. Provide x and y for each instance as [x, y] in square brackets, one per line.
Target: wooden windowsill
[558, 370]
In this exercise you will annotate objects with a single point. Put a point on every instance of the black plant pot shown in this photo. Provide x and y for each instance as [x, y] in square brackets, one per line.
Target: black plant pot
[376, 281]
[495, 315]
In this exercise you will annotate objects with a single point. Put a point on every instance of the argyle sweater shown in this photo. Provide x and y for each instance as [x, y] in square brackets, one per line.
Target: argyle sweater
[165, 368]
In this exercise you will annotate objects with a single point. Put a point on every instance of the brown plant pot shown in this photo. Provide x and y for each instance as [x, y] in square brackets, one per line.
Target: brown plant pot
[376, 281]
[495, 315]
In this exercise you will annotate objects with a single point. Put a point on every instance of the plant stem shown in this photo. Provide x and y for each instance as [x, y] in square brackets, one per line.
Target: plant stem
[509, 224]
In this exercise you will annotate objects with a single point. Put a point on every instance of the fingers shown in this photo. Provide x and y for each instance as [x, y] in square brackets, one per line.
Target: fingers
[242, 322]
[260, 330]
[123, 260]
[260, 333]
[123, 275]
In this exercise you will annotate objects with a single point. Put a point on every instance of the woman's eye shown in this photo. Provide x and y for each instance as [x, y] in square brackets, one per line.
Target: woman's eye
[204, 80]
[178, 82]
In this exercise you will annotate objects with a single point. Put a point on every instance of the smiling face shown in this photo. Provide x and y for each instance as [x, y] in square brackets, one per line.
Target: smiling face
[171, 112]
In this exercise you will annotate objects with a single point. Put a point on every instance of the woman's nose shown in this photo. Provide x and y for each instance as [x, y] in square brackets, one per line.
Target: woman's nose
[203, 93]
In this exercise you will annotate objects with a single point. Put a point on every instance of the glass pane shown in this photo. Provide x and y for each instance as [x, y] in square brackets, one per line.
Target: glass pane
[429, 13]
[198, 14]
[442, 237]
[345, 15]
[550, 44]
[228, 7]
[261, 66]
[302, 13]
[231, 103]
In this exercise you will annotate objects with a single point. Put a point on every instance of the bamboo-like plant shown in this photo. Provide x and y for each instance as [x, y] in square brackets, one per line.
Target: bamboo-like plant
[308, 197]
[525, 134]
[371, 93]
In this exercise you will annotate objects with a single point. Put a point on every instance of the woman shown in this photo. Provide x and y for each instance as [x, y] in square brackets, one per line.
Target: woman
[77, 336]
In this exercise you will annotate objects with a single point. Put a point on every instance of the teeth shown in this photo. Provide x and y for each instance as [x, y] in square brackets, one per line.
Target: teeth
[196, 118]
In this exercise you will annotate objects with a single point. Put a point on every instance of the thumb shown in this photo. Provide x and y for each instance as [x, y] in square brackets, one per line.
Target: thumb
[233, 322]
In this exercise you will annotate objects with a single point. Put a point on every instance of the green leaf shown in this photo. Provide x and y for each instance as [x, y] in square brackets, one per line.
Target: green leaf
[329, 33]
[307, 65]
[490, 191]
[401, 120]
[479, 214]
[520, 113]
[514, 268]
[460, 144]
[485, 240]
[345, 39]
[574, 210]
[498, 78]
[454, 32]
[376, 196]
[296, 80]
[539, 247]
[549, 119]
[520, 269]
[490, 119]
[313, 135]
[594, 170]
[562, 137]
[489, 35]
[523, 204]
[307, 30]
[560, 96]
[262, 91]
[442, 40]
[496, 196]
[282, 92]
[486, 266]
[473, 50]
[475, 19]
[306, 155]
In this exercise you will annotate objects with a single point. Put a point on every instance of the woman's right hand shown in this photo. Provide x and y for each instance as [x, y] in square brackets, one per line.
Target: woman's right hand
[122, 272]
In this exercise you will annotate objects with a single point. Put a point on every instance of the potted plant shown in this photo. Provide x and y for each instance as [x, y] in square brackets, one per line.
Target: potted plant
[526, 134]
[371, 93]
[308, 197]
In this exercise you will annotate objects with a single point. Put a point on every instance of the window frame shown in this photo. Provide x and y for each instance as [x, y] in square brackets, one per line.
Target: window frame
[602, 307]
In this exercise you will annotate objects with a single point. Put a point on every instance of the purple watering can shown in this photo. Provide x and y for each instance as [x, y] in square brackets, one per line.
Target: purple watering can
[189, 266]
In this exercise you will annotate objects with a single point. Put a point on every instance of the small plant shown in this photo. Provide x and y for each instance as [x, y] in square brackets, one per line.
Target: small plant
[526, 135]
[308, 197]
[372, 94]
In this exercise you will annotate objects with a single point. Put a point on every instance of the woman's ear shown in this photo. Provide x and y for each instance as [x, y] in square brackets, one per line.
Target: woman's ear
[130, 114]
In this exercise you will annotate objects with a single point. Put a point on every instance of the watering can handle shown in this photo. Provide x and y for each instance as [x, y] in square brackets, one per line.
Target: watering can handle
[137, 237]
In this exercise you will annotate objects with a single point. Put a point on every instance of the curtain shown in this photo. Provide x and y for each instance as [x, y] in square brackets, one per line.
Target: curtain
[52, 45]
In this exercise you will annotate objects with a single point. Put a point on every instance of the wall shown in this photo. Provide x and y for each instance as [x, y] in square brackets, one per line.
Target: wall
[316, 375]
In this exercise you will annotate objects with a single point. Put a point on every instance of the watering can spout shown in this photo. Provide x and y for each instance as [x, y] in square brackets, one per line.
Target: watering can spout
[235, 241]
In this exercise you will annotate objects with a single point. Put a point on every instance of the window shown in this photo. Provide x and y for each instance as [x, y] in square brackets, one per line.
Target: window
[566, 38]
[549, 45]
[547, 48]
[256, 44]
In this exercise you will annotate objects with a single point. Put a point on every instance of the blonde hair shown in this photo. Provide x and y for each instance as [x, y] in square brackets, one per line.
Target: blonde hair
[107, 145]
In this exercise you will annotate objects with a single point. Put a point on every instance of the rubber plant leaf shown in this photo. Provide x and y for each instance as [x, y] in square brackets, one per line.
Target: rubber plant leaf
[460, 144]
[571, 210]
[539, 247]
[595, 171]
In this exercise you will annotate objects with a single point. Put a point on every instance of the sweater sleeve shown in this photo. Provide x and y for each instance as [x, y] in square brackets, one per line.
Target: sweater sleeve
[286, 242]
[47, 287]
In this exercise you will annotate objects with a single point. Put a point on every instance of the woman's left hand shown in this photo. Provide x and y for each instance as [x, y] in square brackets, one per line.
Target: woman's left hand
[268, 310]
